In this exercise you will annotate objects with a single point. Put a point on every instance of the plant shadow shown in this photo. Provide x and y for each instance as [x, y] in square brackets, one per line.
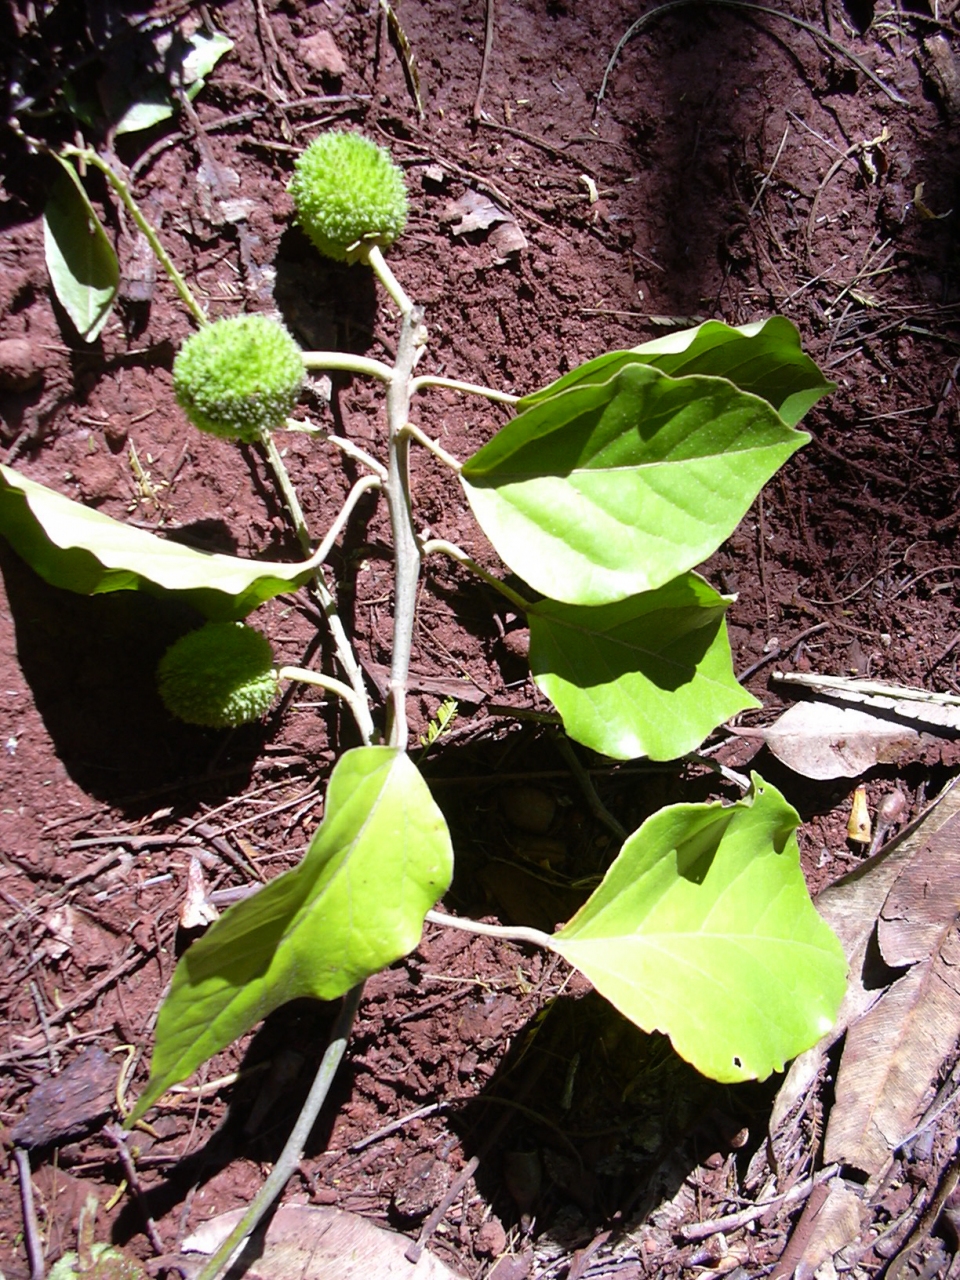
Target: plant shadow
[90, 662]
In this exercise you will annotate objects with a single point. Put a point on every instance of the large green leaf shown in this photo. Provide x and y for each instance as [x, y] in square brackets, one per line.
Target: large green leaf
[83, 550]
[83, 267]
[764, 358]
[703, 929]
[378, 862]
[647, 676]
[609, 489]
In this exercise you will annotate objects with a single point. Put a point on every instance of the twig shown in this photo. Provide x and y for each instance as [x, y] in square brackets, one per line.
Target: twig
[796, 1194]
[31, 1227]
[292, 1153]
[778, 651]
[747, 5]
[421, 1112]
[485, 64]
[52, 1056]
[413, 1252]
[115, 1134]
[596, 805]
[131, 961]
[769, 174]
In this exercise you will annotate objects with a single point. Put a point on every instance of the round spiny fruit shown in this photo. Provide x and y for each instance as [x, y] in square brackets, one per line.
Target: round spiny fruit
[238, 378]
[348, 193]
[220, 676]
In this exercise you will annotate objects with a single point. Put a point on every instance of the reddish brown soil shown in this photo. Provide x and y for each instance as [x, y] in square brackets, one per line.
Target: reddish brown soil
[715, 159]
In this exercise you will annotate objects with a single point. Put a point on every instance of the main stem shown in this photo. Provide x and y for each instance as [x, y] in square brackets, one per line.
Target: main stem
[406, 548]
[292, 1153]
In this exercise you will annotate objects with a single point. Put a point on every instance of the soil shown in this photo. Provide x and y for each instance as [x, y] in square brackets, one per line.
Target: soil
[736, 167]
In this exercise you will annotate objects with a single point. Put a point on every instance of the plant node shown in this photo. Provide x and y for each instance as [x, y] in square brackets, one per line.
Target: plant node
[239, 378]
[220, 676]
[349, 195]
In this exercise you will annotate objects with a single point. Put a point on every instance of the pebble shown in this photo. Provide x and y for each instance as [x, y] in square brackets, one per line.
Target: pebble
[21, 365]
[528, 809]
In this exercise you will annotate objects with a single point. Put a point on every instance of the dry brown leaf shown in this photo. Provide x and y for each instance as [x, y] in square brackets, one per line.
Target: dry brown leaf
[890, 1059]
[895, 1049]
[314, 1242]
[820, 740]
[829, 1222]
[473, 212]
[851, 906]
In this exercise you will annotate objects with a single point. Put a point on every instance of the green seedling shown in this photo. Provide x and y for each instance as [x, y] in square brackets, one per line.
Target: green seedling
[603, 492]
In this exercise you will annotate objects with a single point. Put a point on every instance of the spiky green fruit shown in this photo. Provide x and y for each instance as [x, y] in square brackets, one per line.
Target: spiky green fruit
[220, 676]
[239, 377]
[348, 193]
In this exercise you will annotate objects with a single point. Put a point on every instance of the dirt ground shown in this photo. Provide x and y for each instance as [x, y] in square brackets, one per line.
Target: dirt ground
[736, 167]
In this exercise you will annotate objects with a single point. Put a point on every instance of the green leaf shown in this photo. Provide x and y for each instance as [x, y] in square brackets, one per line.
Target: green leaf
[82, 550]
[202, 53]
[764, 358]
[647, 676]
[83, 267]
[609, 489]
[378, 862]
[703, 929]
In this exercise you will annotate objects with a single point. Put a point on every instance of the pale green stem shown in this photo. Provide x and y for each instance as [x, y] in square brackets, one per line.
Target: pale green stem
[468, 388]
[343, 361]
[360, 706]
[305, 676]
[456, 553]
[515, 933]
[374, 258]
[354, 451]
[405, 544]
[345, 446]
[123, 191]
[292, 1153]
[436, 449]
[362, 486]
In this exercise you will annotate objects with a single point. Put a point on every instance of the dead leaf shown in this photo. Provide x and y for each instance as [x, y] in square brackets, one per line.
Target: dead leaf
[506, 240]
[851, 907]
[830, 1221]
[820, 740]
[473, 212]
[60, 924]
[196, 910]
[314, 1242]
[894, 1052]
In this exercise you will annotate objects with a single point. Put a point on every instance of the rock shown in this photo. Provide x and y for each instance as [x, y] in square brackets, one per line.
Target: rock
[528, 808]
[21, 365]
[491, 1239]
[320, 53]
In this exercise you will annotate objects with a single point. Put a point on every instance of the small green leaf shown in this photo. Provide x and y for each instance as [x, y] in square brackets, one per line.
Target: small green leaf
[764, 358]
[613, 488]
[378, 862]
[647, 676]
[82, 550]
[83, 267]
[703, 929]
[202, 53]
